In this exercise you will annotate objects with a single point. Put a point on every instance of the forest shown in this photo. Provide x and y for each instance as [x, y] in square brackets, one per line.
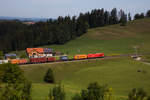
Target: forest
[15, 35]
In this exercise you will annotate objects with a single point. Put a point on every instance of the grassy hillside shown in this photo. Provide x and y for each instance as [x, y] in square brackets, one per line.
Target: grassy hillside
[121, 74]
[113, 39]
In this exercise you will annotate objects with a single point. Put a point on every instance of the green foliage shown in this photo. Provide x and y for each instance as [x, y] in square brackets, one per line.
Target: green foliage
[137, 94]
[148, 13]
[113, 17]
[109, 94]
[23, 55]
[148, 98]
[57, 93]
[16, 91]
[76, 97]
[50, 96]
[139, 16]
[1, 73]
[123, 18]
[57, 31]
[49, 76]
[129, 17]
[1, 55]
[93, 92]
[11, 92]
[12, 73]
[15, 86]
[26, 90]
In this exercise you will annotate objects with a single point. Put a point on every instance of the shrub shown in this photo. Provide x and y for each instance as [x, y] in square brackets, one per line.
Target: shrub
[93, 92]
[11, 73]
[57, 93]
[16, 87]
[137, 94]
[49, 77]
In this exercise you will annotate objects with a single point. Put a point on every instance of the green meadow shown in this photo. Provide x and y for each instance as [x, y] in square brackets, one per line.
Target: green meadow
[119, 73]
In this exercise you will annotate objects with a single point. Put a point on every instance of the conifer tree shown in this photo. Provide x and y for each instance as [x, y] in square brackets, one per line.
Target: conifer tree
[49, 77]
[148, 13]
[129, 17]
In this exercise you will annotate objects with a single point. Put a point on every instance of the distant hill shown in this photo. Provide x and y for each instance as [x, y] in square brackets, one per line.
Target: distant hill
[23, 19]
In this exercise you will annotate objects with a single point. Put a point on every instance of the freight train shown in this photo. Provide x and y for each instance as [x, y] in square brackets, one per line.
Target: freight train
[43, 55]
[53, 59]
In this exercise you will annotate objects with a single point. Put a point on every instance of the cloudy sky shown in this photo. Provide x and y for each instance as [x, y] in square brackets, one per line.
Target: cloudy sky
[55, 8]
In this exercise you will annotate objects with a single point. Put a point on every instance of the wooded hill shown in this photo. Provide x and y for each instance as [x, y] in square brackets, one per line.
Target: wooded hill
[14, 35]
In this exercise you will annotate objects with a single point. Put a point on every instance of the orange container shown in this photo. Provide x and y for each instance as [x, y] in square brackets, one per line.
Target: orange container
[14, 61]
[22, 61]
[80, 56]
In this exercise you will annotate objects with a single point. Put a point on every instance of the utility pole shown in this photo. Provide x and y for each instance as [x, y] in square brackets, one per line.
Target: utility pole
[136, 50]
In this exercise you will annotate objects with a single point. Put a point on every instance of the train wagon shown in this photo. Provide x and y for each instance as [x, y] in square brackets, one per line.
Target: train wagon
[97, 55]
[51, 59]
[22, 61]
[80, 56]
[14, 61]
[38, 60]
[64, 58]
[5, 61]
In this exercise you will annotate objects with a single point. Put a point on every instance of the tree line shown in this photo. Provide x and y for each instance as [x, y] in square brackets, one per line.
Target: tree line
[15, 35]
[142, 15]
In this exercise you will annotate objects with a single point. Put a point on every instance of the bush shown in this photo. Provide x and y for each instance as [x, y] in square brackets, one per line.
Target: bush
[23, 55]
[1, 55]
[16, 87]
[93, 92]
[57, 93]
[49, 77]
[11, 73]
[148, 98]
[137, 94]
[76, 97]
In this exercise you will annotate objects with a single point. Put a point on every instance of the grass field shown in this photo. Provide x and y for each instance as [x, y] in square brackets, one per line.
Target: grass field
[120, 73]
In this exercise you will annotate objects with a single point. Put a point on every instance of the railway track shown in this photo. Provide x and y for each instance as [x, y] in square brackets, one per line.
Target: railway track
[73, 60]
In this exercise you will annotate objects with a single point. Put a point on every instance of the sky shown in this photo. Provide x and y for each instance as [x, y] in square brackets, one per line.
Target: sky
[55, 8]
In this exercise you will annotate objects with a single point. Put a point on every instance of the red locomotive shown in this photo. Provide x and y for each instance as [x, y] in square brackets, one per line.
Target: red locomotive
[97, 55]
